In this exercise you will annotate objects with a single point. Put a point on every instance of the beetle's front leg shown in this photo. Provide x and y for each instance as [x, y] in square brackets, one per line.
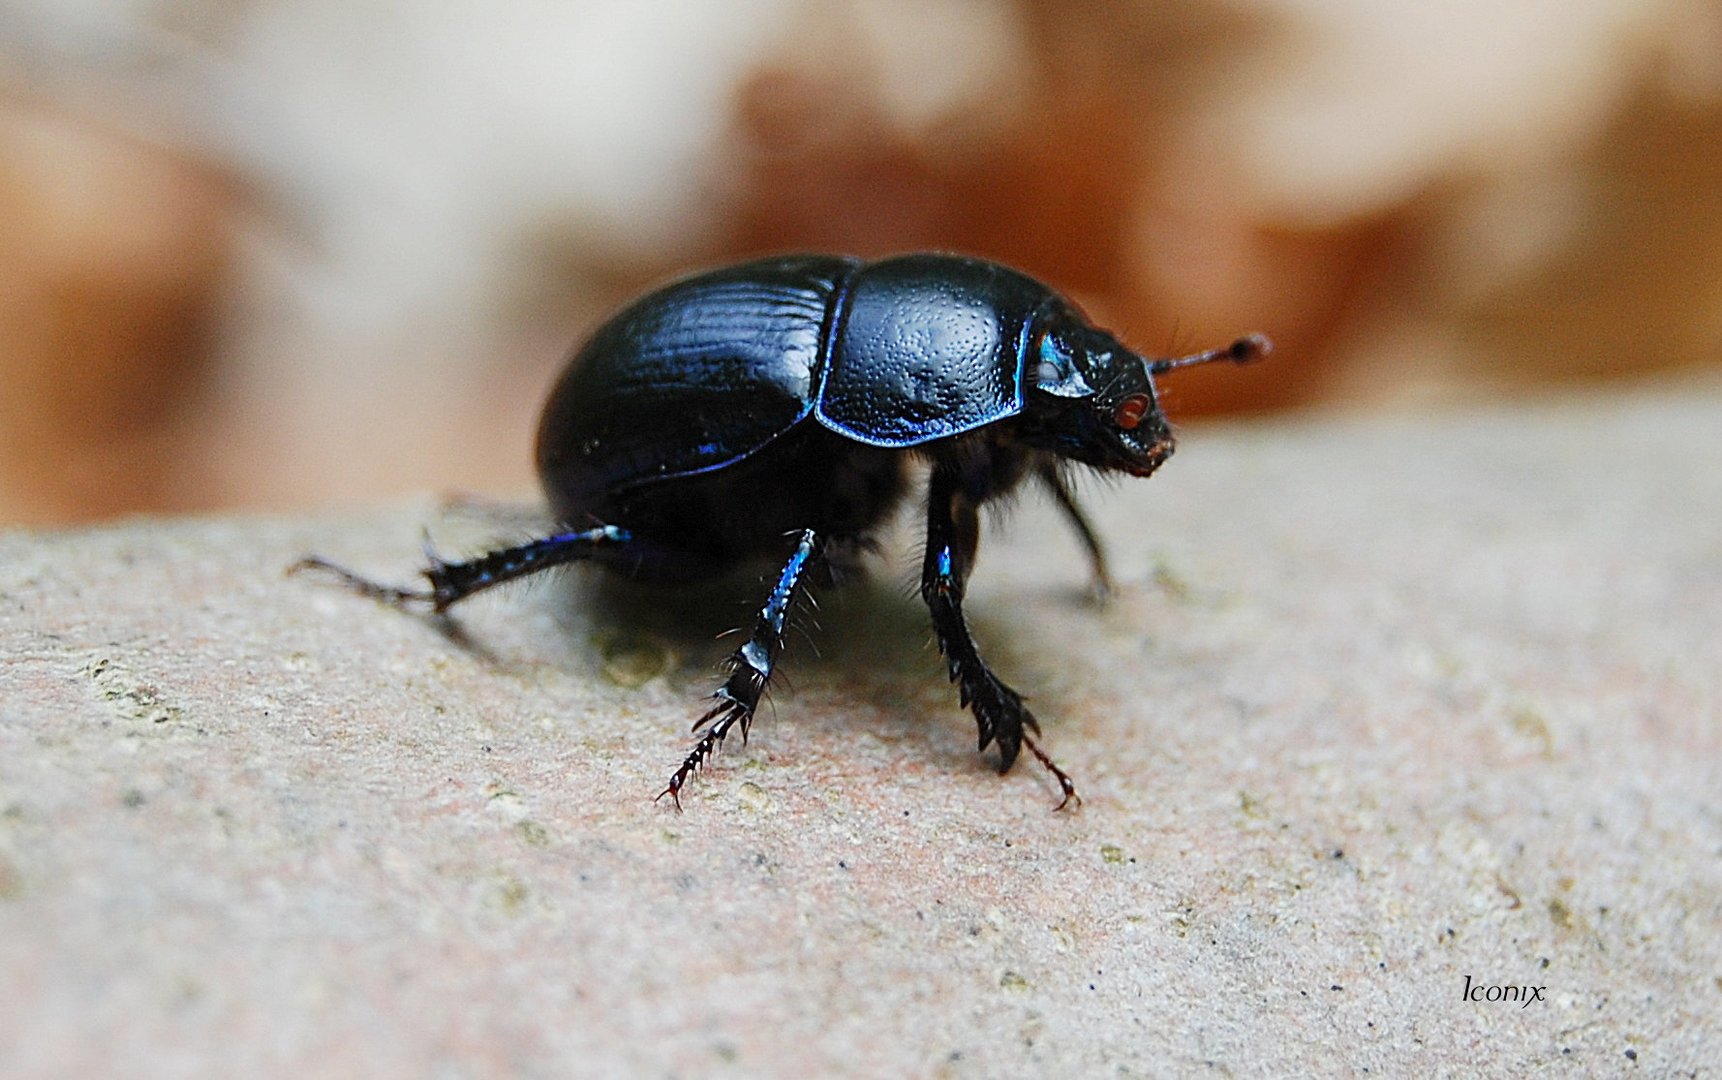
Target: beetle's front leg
[750, 667]
[953, 536]
[953, 531]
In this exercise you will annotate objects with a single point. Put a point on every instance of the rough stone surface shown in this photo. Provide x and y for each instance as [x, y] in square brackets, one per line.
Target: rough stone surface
[1386, 708]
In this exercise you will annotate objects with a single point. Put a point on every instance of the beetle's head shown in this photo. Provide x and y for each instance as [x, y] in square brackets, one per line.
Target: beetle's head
[1094, 401]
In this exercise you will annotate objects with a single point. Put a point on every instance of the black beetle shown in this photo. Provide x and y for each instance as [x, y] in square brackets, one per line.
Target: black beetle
[774, 405]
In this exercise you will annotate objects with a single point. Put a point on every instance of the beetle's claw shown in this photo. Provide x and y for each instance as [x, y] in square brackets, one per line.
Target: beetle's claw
[674, 791]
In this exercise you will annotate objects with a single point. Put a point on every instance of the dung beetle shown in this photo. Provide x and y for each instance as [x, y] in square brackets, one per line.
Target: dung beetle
[771, 409]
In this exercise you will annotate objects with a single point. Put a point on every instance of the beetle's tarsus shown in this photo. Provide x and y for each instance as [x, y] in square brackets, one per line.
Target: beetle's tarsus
[721, 718]
[1065, 783]
[391, 595]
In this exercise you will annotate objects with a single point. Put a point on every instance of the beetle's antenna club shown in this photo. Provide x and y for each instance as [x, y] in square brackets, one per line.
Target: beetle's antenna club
[1246, 350]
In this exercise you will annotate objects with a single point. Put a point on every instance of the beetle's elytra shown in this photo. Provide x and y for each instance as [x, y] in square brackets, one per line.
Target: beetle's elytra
[769, 409]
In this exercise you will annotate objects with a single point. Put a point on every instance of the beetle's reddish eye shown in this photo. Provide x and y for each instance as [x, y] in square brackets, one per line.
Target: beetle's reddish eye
[1130, 411]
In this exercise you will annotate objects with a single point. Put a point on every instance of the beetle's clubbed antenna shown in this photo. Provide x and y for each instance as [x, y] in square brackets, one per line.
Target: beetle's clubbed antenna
[1246, 350]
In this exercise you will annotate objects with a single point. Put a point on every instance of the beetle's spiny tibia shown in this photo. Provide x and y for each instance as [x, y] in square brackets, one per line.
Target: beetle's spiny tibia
[453, 582]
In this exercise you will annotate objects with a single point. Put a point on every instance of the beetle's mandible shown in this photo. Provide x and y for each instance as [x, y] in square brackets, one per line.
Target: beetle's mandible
[769, 410]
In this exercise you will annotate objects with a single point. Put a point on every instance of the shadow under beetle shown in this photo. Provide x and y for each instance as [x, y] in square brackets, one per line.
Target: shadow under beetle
[770, 409]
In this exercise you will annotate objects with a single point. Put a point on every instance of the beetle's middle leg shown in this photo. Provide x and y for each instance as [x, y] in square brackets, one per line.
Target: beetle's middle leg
[751, 665]
[1055, 482]
[953, 537]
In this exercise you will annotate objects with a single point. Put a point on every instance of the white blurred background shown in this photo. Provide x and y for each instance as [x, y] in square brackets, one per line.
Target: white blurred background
[291, 253]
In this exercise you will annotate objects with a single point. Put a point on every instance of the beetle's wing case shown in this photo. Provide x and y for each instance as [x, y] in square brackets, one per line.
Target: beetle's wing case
[692, 377]
[926, 347]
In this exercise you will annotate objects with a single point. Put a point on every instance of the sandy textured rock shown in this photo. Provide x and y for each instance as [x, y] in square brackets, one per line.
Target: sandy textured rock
[1385, 707]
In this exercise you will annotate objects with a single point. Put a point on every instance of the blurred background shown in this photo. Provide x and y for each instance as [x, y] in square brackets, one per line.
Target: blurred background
[296, 253]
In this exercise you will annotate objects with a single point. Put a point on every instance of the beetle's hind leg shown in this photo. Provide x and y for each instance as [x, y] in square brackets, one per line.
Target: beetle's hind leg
[451, 582]
[750, 666]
